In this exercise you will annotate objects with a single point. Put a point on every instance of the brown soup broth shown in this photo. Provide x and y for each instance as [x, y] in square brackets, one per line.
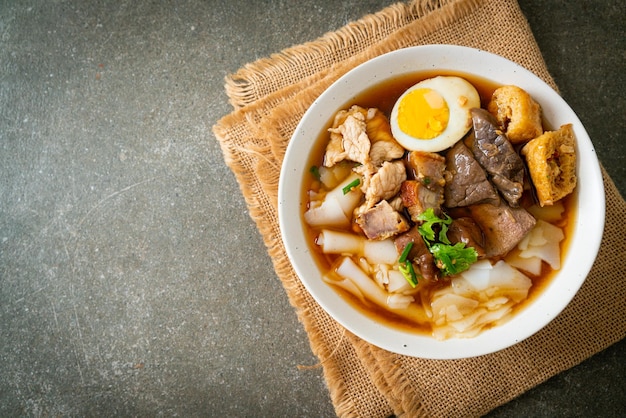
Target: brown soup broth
[383, 96]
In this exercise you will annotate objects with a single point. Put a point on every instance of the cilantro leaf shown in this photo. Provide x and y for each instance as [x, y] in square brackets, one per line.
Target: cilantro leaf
[453, 259]
[429, 220]
[450, 259]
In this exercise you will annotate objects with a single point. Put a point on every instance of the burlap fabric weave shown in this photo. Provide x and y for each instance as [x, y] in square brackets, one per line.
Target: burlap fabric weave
[271, 95]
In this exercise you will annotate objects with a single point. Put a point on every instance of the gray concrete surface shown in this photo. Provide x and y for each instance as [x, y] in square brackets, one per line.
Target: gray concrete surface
[132, 280]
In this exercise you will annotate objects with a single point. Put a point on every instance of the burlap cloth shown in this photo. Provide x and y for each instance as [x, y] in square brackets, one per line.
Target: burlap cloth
[270, 96]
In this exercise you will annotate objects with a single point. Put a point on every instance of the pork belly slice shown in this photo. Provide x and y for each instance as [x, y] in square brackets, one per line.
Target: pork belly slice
[495, 153]
[503, 226]
[428, 168]
[417, 198]
[466, 181]
[382, 221]
[419, 254]
[425, 190]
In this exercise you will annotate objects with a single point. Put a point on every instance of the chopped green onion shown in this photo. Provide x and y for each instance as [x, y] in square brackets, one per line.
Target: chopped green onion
[405, 266]
[315, 172]
[405, 252]
[408, 272]
[351, 186]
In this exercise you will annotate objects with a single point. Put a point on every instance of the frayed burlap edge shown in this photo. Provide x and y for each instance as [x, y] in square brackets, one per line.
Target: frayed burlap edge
[267, 75]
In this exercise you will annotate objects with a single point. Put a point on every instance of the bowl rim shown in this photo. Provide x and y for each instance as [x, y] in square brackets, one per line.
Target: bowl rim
[546, 306]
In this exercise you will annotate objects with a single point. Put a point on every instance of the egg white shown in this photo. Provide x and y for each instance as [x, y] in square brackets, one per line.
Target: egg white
[460, 96]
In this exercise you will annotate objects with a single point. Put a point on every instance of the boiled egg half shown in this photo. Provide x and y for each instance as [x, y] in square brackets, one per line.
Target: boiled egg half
[434, 114]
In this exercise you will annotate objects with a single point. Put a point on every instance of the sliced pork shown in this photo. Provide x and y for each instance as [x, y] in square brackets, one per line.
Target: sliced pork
[384, 146]
[382, 222]
[417, 198]
[428, 168]
[426, 188]
[382, 184]
[348, 139]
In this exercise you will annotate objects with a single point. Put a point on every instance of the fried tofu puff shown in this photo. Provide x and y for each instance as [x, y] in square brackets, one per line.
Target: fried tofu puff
[517, 113]
[551, 159]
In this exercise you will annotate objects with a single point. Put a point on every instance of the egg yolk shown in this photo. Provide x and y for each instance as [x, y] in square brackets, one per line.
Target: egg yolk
[423, 114]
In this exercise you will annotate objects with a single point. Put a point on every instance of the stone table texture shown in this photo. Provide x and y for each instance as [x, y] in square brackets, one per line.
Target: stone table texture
[132, 280]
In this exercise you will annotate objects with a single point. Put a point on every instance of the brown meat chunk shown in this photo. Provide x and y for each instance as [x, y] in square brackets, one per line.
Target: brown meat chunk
[425, 189]
[419, 254]
[496, 155]
[465, 230]
[361, 135]
[348, 138]
[417, 198]
[467, 181]
[428, 168]
[503, 226]
[382, 222]
[384, 184]
[384, 146]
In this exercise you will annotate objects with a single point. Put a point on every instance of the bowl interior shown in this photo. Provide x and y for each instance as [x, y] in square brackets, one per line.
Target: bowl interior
[589, 219]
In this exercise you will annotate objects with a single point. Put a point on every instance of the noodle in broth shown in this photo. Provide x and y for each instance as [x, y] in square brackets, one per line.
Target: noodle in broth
[450, 307]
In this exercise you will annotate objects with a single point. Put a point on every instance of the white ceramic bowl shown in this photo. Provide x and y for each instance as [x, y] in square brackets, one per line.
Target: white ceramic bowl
[589, 221]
